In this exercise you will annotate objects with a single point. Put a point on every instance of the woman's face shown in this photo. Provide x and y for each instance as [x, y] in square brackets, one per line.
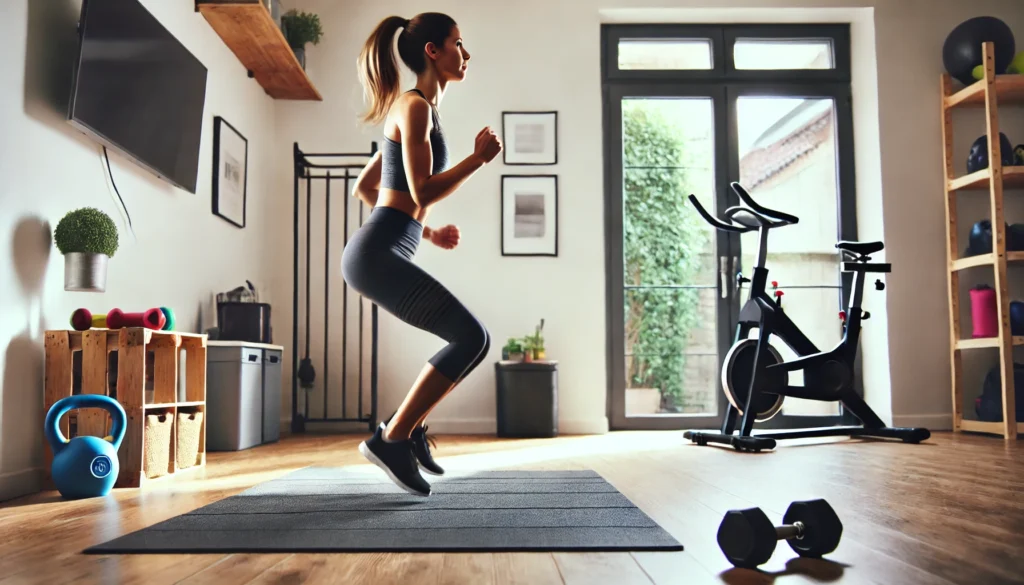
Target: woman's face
[452, 59]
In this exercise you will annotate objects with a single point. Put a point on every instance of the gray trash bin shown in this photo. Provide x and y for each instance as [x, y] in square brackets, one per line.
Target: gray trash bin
[234, 398]
[271, 395]
[527, 398]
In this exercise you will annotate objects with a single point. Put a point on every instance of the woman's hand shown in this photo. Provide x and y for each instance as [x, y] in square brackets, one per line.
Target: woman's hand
[446, 237]
[488, 145]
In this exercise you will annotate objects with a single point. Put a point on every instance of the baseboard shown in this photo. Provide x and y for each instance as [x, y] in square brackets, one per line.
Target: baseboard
[20, 483]
[467, 426]
[594, 426]
[933, 422]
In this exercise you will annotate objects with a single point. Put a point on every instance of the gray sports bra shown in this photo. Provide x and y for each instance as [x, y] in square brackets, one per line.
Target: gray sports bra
[392, 172]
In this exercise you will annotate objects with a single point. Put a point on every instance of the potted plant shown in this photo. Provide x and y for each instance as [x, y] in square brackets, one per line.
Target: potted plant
[513, 350]
[87, 238]
[301, 28]
[529, 348]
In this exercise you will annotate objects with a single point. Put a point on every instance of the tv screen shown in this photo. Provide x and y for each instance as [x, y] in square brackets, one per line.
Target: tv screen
[138, 90]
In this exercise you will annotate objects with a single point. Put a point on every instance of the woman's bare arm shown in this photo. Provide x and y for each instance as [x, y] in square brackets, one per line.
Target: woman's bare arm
[427, 189]
[367, 185]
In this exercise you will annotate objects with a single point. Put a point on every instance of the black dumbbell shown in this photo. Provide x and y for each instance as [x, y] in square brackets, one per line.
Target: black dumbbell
[748, 537]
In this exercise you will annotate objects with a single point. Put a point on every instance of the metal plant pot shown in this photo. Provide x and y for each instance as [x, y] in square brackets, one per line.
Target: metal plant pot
[85, 271]
[300, 54]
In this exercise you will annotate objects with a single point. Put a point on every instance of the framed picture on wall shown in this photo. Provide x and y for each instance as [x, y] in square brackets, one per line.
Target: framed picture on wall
[530, 138]
[230, 172]
[529, 215]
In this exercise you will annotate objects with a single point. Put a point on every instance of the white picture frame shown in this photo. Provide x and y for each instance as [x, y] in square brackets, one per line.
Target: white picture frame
[530, 138]
[529, 215]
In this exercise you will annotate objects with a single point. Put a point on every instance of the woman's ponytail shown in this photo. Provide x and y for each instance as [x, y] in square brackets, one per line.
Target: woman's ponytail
[378, 69]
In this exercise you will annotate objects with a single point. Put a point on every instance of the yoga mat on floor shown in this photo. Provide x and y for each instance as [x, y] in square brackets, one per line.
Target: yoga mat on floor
[323, 509]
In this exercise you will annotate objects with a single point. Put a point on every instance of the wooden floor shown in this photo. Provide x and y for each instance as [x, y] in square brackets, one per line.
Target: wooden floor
[950, 511]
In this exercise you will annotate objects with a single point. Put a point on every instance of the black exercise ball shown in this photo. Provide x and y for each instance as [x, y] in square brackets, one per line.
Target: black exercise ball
[962, 51]
[978, 157]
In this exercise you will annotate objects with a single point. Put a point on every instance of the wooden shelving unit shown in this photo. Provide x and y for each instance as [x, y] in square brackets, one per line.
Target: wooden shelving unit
[989, 93]
[89, 352]
[252, 35]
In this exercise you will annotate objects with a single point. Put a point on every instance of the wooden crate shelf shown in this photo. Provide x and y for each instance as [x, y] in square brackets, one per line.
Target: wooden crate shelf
[134, 348]
[991, 93]
[247, 28]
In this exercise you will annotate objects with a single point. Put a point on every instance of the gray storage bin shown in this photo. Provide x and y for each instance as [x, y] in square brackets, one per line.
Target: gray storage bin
[527, 399]
[271, 395]
[234, 398]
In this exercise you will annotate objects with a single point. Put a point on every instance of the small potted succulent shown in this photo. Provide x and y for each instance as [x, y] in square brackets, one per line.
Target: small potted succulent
[301, 28]
[87, 238]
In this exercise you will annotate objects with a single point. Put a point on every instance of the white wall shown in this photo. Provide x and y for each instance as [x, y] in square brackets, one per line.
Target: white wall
[181, 254]
[899, 178]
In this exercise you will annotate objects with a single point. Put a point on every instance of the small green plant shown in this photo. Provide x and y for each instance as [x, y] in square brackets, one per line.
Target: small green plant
[513, 346]
[87, 230]
[301, 28]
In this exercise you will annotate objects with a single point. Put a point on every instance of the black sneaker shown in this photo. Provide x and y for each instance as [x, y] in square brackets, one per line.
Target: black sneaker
[421, 443]
[397, 461]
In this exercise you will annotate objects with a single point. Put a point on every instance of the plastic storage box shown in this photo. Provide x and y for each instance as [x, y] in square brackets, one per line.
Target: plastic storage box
[243, 398]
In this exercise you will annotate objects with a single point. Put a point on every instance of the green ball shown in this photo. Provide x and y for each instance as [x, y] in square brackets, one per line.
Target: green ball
[169, 317]
[978, 72]
[1017, 65]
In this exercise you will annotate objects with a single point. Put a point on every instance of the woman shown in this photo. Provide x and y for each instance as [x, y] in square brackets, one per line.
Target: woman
[402, 182]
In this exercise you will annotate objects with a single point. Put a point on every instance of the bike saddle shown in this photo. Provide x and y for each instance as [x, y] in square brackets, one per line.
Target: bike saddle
[861, 248]
[751, 219]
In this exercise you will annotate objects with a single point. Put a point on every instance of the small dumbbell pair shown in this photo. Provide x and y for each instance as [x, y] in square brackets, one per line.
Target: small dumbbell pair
[748, 538]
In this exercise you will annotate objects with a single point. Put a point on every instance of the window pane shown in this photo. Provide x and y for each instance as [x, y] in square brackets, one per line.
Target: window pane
[783, 54]
[672, 364]
[665, 54]
[788, 162]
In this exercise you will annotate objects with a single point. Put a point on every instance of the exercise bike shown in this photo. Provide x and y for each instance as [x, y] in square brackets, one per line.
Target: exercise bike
[755, 378]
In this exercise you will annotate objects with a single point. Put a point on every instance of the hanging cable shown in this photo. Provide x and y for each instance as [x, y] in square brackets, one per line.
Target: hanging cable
[110, 172]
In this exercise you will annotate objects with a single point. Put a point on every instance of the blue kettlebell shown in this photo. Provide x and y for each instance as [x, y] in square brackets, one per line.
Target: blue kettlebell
[85, 467]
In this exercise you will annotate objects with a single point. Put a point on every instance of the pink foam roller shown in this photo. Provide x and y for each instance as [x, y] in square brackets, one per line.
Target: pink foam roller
[984, 313]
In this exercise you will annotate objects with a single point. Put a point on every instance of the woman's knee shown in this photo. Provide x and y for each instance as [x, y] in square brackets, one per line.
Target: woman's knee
[478, 338]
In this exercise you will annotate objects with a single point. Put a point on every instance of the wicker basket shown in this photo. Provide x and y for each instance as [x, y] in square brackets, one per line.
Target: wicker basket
[190, 425]
[157, 444]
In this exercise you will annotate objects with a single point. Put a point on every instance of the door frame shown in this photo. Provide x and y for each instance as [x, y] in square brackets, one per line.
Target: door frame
[723, 83]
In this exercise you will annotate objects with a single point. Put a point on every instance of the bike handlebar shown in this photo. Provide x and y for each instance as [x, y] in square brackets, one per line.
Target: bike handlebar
[785, 217]
[713, 220]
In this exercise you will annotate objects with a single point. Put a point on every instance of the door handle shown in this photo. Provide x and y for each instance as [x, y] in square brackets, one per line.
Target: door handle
[723, 272]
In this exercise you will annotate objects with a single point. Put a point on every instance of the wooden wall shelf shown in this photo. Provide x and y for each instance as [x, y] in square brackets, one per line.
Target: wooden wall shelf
[991, 93]
[252, 35]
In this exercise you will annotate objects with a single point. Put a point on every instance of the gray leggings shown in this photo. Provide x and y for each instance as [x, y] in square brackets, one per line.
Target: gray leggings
[377, 263]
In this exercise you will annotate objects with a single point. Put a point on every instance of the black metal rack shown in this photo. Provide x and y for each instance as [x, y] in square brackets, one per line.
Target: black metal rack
[308, 172]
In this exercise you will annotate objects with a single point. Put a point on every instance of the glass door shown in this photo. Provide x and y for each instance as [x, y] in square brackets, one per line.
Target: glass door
[786, 154]
[689, 109]
[670, 307]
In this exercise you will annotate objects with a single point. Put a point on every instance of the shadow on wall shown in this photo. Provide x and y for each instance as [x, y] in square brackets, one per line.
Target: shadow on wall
[51, 44]
[22, 389]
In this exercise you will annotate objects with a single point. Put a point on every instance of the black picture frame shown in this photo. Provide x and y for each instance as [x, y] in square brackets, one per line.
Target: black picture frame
[227, 141]
[509, 155]
[549, 249]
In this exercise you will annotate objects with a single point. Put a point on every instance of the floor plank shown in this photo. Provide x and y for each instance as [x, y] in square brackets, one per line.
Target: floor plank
[947, 512]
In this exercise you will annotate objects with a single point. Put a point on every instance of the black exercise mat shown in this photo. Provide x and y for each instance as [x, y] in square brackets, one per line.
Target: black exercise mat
[318, 509]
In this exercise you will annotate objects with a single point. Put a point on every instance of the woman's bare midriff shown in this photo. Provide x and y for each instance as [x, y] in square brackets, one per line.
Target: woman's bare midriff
[401, 201]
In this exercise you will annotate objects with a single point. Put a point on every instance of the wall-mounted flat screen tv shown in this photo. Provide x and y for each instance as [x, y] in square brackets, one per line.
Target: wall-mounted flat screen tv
[138, 90]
